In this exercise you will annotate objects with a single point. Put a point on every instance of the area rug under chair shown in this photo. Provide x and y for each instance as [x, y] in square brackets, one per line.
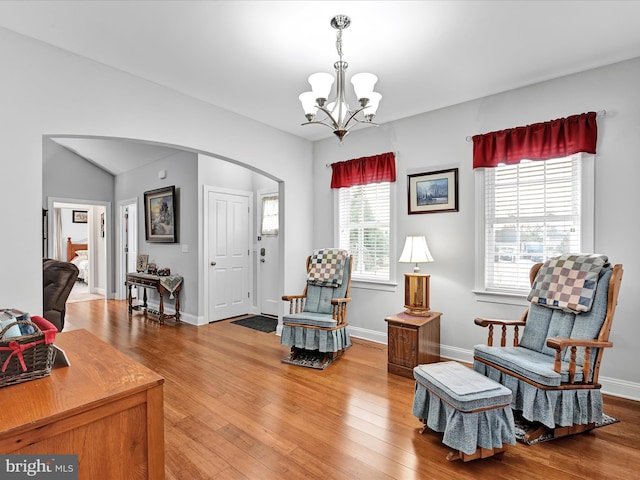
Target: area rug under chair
[309, 359]
[523, 427]
[258, 322]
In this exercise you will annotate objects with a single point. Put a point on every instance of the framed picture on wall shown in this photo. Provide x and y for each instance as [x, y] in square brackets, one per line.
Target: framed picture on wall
[433, 192]
[79, 216]
[160, 215]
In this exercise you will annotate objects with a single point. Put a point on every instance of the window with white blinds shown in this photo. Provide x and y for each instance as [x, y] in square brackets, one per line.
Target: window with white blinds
[364, 216]
[270, 221]
[533, 211]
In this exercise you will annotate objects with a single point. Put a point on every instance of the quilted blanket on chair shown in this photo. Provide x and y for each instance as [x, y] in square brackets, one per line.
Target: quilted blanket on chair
[327, 267]
[568, 282]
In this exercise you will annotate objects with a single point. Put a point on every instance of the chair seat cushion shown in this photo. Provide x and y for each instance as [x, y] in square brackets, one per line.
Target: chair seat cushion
[535, 366]
[312, 319]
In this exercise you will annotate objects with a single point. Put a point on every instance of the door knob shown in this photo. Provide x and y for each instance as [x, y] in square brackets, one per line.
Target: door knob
[262, 260]
[213, 264]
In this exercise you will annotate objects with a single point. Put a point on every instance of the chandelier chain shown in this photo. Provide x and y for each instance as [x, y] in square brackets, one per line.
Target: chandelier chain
[339, 42]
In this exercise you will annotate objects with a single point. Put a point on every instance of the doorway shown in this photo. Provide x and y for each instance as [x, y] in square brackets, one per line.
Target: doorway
[127, 246]
[86, 223]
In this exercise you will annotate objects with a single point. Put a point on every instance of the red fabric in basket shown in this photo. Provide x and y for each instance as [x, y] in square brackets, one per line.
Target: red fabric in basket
[48, 328]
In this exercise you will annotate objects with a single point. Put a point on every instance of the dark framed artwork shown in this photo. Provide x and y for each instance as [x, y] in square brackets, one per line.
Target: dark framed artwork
[433, 192]
[79, 216]
[160, 215]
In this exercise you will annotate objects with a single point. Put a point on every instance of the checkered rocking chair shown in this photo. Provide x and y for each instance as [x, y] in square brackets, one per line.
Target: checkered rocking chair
[553, 369]
[317, 319]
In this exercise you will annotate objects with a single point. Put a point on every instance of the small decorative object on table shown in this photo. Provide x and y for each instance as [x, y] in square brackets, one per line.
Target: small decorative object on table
[164, 272]
[152, 269]
[26, 347]
[141, 264]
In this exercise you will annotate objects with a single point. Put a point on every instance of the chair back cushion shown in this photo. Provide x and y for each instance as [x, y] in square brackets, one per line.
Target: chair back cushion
[58, 279]
[544, 322]
[319, 298]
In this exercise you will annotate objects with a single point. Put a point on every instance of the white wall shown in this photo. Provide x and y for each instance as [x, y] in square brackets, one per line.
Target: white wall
[47, 91]
[181, 172]
[436, 140]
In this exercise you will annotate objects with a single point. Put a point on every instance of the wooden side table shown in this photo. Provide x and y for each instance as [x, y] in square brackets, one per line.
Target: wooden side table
[412, 340]
[144, 281]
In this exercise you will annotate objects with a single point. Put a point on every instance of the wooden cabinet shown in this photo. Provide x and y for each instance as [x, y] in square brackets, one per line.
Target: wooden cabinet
[412, 340]
[105, 408]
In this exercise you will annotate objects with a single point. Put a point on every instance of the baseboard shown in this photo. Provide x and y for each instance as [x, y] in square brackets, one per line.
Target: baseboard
[366, 334]
[610, 386]
[620, 388]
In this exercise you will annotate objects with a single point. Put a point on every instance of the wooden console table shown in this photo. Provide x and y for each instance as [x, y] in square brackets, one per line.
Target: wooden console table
[105, 408]
[161, 284]
[411, 341]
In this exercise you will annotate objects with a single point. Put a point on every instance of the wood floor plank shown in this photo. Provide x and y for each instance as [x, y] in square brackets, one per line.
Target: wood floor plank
[233, 410]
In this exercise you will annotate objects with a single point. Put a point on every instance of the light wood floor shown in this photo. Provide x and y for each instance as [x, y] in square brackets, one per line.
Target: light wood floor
[234, 411]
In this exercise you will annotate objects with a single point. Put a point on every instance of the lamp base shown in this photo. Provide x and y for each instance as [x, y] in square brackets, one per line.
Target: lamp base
[416, 294]
[417, 313]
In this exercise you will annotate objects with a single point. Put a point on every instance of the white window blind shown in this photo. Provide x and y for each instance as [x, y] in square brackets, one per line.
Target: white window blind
[270, 222]
[532, 213]
[364, 223]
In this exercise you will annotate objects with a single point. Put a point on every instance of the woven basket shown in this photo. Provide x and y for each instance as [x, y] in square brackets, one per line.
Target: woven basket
[27, 357]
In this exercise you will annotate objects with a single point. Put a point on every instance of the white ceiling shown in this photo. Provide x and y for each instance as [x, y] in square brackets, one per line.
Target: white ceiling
[253, 57]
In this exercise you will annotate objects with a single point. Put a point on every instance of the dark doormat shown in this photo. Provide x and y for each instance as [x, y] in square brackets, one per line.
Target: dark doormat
[523, 426]
[259, 322]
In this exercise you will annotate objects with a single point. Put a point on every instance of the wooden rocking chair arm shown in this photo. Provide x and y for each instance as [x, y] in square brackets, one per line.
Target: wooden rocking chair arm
[288, 298]
[338, 301]
[485, 322]
[560, 343]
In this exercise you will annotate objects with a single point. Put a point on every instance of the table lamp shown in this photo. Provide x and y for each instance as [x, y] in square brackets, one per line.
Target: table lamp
[416, 285]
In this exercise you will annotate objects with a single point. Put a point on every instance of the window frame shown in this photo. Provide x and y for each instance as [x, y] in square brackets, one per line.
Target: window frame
[369, 283]
[587, 230]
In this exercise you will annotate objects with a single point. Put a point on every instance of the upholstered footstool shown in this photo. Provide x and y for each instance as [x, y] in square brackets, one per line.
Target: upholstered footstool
[472, 411]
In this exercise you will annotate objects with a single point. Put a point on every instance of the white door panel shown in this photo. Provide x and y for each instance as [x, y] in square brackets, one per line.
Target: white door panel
[228, 236]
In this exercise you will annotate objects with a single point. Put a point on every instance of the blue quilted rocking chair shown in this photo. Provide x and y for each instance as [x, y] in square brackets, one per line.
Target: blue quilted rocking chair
[552, 371]
[316, 325]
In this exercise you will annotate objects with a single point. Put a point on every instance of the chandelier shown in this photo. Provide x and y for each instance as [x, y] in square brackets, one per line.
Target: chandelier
[339, 116]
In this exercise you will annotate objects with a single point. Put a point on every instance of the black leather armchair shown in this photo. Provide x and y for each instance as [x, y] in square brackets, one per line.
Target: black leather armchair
[58, 280]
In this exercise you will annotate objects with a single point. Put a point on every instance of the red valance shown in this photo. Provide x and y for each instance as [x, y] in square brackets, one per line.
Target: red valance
[365, 170]
[540, 141]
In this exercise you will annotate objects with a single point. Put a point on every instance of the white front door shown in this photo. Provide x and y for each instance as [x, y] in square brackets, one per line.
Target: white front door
[228, 252]
[268, 258]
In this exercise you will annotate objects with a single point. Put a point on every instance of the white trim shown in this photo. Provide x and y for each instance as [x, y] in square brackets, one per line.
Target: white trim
[366, 334]
[71, 202]
[121, 292]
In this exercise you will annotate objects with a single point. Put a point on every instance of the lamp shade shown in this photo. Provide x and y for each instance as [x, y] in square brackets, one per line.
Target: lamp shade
[321, 84]
[363, 84]
[416, 251]
[308, 100]
[372, 106]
